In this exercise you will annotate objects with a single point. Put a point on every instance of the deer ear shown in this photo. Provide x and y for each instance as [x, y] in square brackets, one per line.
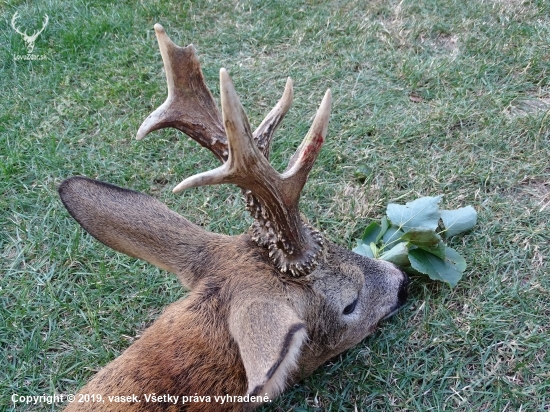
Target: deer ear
[137, 225]
[270, 337]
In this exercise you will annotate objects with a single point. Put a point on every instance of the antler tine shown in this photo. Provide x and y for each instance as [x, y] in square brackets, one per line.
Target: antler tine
[39, 32]
[243, 153]
[13, 19]
[189, 106]
[243, 156]
[264, 133]
[302, 160]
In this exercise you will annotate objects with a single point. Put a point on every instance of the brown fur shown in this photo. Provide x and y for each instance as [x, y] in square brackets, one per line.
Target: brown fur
[245, 328]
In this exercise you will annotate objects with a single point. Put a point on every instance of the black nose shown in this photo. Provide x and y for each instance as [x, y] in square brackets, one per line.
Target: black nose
[403, 290]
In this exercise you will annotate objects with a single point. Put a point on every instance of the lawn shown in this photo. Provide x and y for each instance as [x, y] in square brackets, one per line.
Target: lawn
[430, 97]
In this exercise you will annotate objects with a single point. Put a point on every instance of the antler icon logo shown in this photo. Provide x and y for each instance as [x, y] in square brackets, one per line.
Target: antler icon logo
[29, 40]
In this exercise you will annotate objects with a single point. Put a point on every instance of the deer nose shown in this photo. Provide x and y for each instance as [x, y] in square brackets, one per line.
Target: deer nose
[403, 292]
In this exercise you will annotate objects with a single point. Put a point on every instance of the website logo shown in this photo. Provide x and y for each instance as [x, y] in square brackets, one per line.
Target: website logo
[29, 39]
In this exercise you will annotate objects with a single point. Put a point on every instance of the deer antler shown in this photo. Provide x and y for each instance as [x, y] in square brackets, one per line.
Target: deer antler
[272, 198]
[29, 40]
[15, 17]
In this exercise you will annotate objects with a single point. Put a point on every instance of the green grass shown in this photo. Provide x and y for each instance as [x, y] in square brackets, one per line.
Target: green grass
[429, 97]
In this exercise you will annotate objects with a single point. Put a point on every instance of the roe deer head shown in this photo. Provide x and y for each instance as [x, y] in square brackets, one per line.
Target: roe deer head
[266, 308]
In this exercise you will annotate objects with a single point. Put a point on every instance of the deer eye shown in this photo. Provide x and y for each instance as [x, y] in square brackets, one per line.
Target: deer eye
[350, 308]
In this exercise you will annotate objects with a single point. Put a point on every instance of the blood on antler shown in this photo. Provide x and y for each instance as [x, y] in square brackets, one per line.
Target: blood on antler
[271, 197]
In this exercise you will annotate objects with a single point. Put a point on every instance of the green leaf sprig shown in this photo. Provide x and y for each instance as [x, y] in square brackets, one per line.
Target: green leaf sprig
[412, 237]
